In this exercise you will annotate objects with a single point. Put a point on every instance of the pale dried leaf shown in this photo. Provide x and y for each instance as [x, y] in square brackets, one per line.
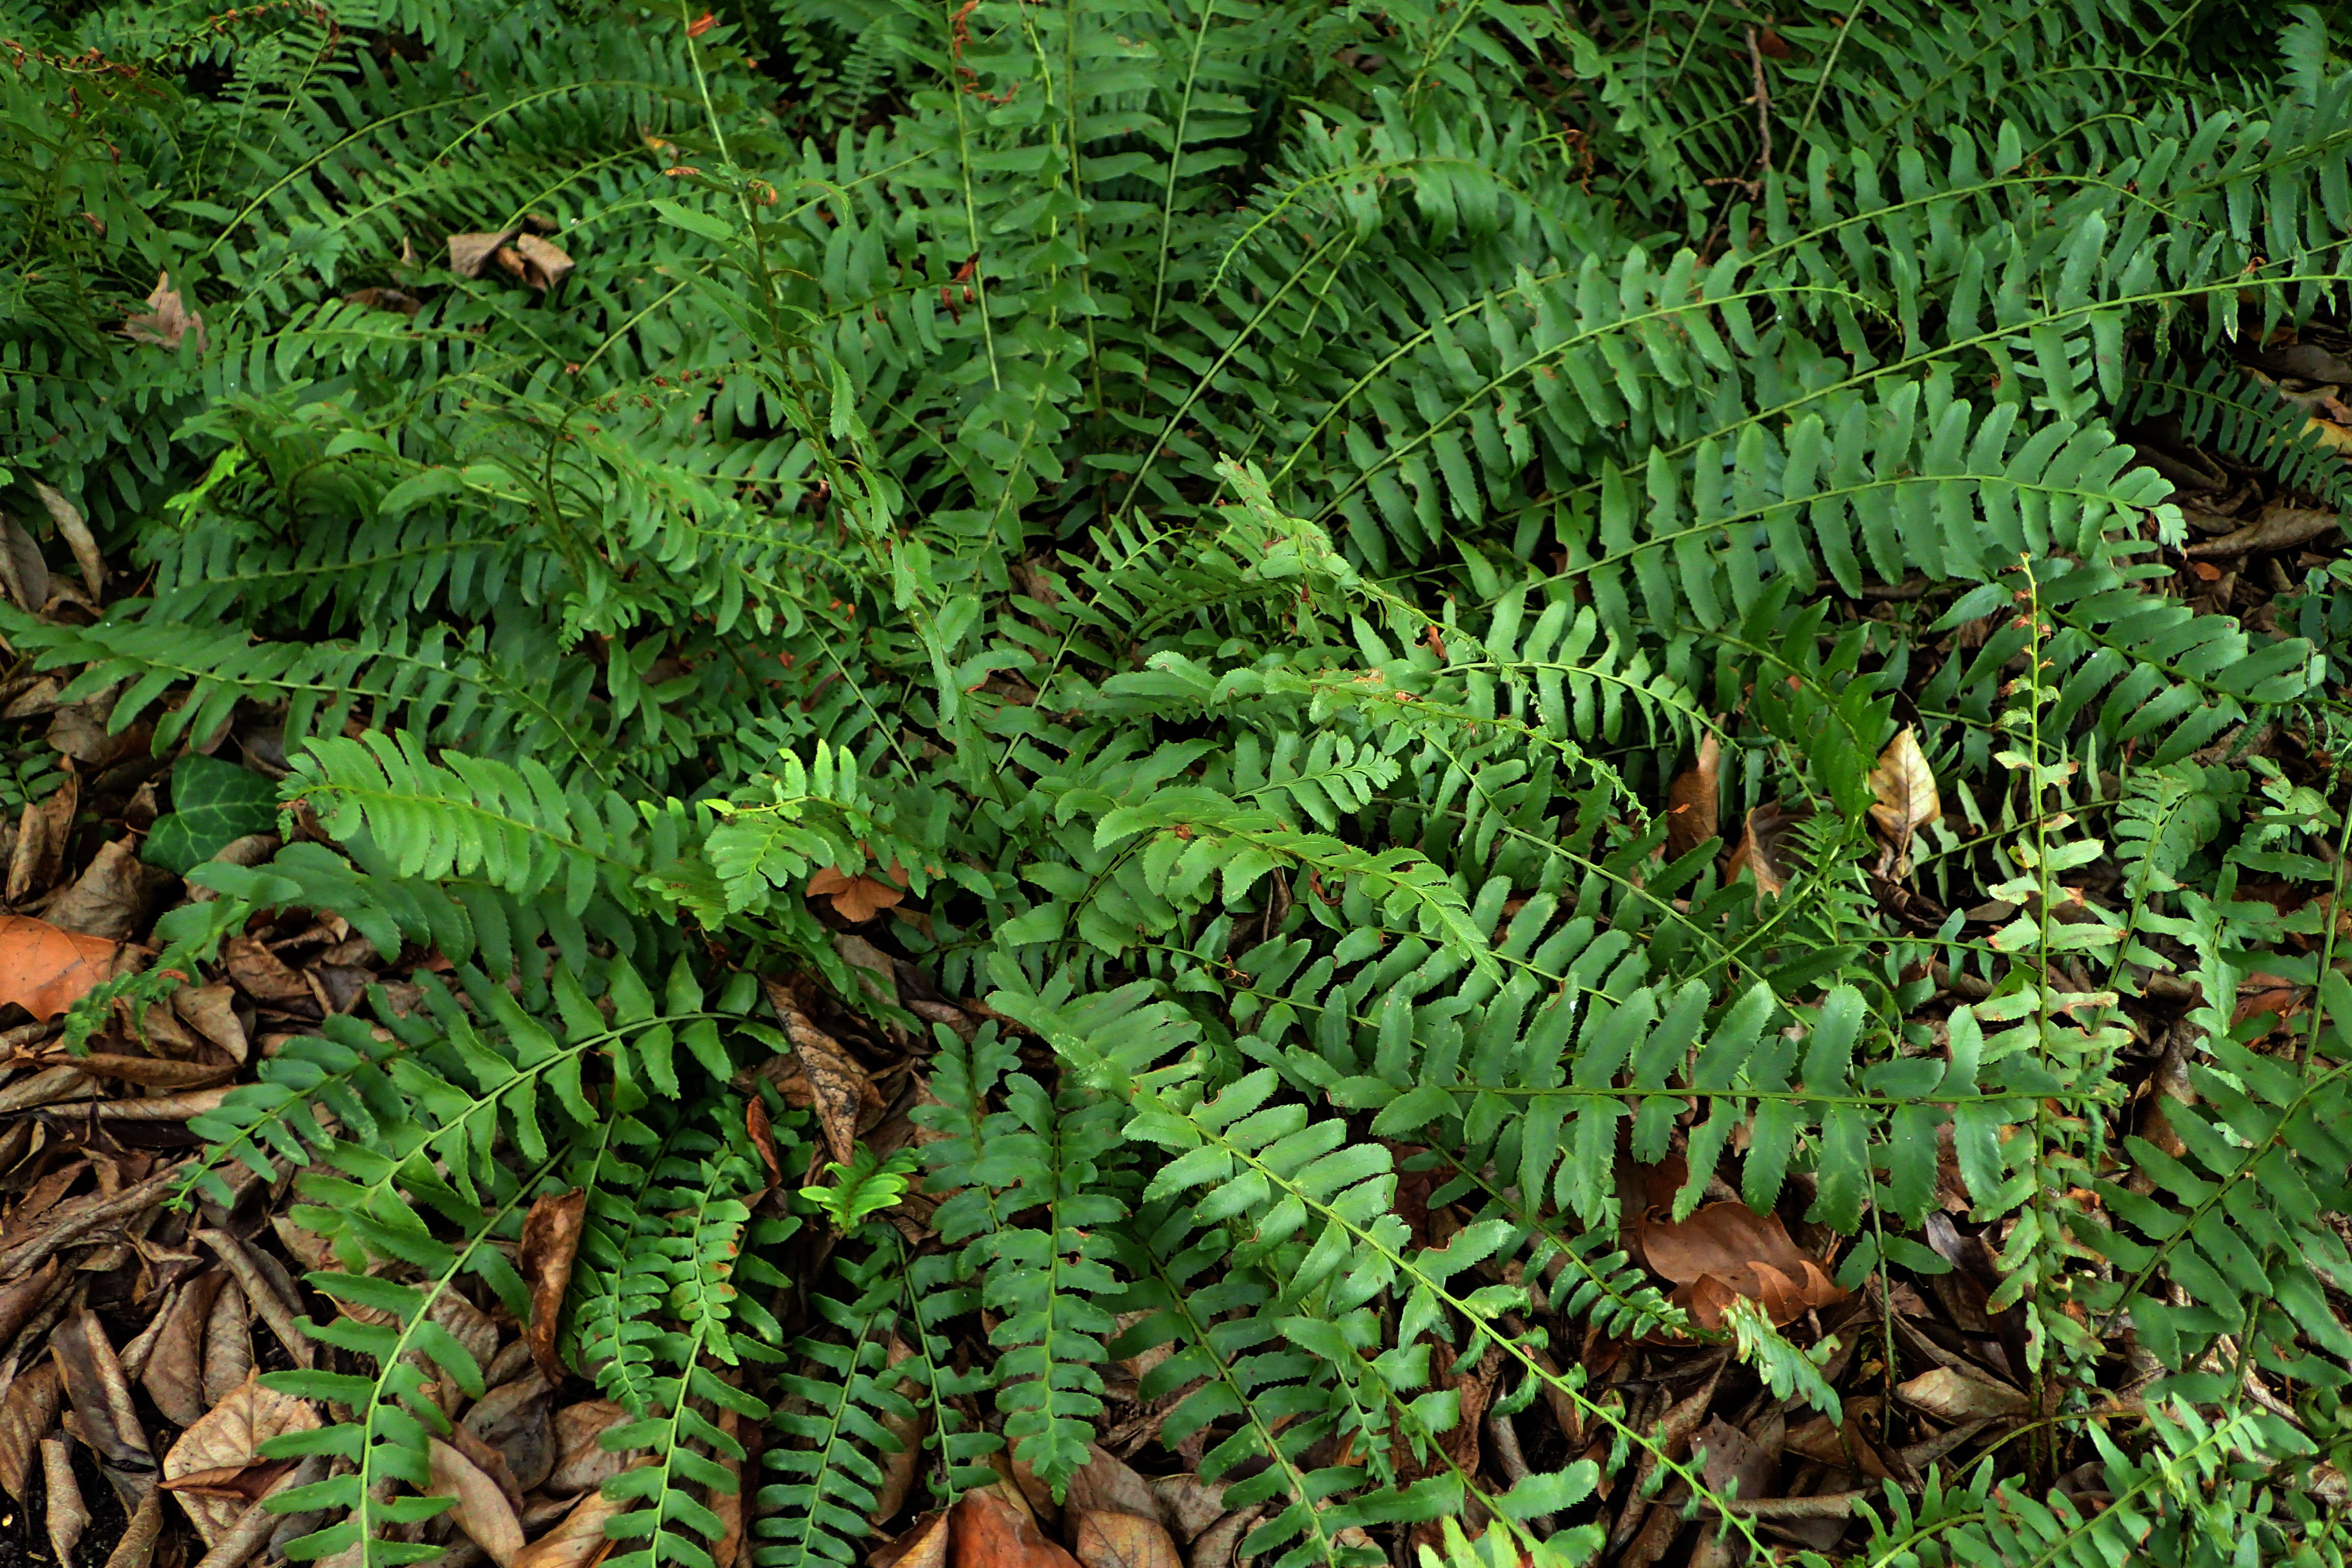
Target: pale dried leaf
[40, 849]
[1950, 1395]
[544, 263]
[75, 531]
[482, 1510]
[1905, 788]
[578, 1539]
[470, 253]
[211, 1010]
[582, 1463]
[230, 1434]
[28, 1413]
[1109, 1540]
[168, 320]
[63, 1509]
[228, 1343]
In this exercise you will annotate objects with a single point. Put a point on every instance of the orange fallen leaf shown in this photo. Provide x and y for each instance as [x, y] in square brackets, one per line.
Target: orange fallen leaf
[46, 971]
[551, 1237]
[857, 899]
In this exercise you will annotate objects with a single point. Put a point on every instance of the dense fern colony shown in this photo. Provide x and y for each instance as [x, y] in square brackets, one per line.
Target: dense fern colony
[1224, 518]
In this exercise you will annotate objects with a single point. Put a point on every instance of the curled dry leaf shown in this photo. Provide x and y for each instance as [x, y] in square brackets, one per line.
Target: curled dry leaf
[840, 1089]
[1726, 1249]
[228, 1343]
[470, 253]
[1906, 790]
[63, 1509]
[551, 1237]
[1691, 810]
[990, 1532]
[483, 1510]
[1949, 1396]
[229, 1437]
[27, 1413]
[74, 529]
[168, 320]
[578, 1539]
[536, 261]
[1108, 1540]
[40, 850]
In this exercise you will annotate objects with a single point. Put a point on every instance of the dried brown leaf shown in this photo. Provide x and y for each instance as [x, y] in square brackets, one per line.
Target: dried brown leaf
[23, 573]
[482, 1510]
[1104, 1484]
[168, 320]
[1951, 1395]
[857, 898]
[2278, 528]
[922, 1544]
[1765, 830]
[582, 1462]
[578, 1539]
[101, 1395]
[41, 834]
[537, 262]
[1726, 1249]
[150, 1071]
[839, 1085]
[228, 1343]
[989, 1533]
[551, 1238]
[470, 253]
[65, 1513]
[211, 1010]
[726, 1501]
[75, 530]
[1906, 790]
[262, 974]
[1691, 809]
[1109, 1540]
[230, 1434]
[28, 1413]
[517, 1418]
[111, 899]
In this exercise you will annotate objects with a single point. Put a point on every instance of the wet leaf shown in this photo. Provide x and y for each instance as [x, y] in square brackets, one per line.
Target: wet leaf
[551, 1237]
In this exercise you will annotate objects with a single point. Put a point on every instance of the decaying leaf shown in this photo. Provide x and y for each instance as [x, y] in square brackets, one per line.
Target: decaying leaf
[101, 1395]
[1691, 810]
[229, 1342]
[989, 1533]
[111, 899]
[229, 1437]
[262, 974]
[2278, 528]
[550, 1237]
[1906, 790]
[1760, 853]
[517, 1418]
[839, 1085]
[23, 573]
[211, 1010]
[482, 1509]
